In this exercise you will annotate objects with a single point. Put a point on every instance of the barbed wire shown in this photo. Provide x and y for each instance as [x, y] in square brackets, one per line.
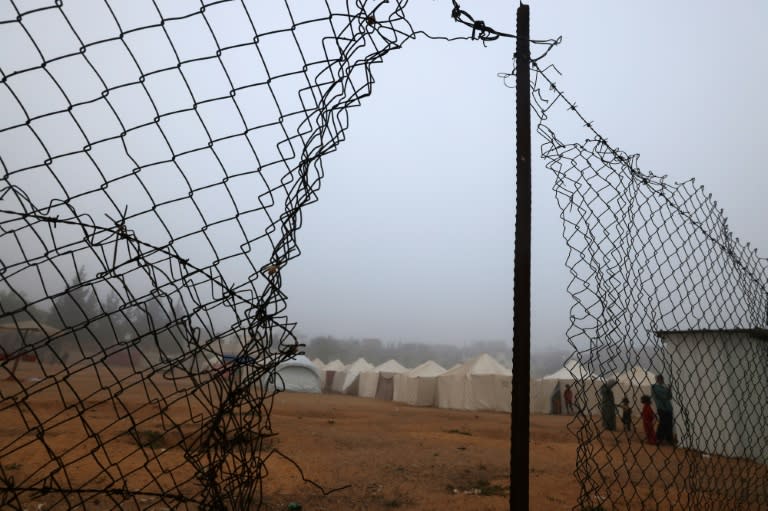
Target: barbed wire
[198, 134]
[660, 286]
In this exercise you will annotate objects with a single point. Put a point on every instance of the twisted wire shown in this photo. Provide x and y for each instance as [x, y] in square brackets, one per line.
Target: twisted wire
[155, 163]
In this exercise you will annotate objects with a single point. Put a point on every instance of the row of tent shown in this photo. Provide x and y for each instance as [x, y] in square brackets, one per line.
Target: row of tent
[479, 384]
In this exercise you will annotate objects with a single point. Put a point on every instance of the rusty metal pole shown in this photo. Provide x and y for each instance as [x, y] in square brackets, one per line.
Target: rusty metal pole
[521, 333]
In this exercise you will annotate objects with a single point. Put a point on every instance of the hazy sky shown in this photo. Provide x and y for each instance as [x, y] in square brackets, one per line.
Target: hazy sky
[412, 237]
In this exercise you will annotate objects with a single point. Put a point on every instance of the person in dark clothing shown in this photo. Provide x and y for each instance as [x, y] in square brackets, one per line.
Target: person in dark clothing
[662, 398]
[608, 405]
[626, 415]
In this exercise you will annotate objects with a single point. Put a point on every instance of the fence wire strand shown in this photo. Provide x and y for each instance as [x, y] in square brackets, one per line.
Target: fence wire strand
[153, 155]
[660, 287]
[156, 158]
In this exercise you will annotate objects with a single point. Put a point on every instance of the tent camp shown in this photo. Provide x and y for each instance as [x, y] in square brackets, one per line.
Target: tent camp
[347, 380]
[479, 384]
[379, 382]
[329, 371]
[547, 392]
[320, 366]
[418, 386]
[298, 375]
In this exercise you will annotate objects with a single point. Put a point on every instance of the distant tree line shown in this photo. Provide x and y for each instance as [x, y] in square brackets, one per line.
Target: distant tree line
[84, 321]
[375, 351]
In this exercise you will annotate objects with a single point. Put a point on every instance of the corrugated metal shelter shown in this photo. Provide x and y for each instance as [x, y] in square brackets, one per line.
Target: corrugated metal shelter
[719, 383]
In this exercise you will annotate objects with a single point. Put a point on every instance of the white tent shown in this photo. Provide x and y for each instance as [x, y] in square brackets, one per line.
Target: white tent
[479, 384]
[334, 365]
[550, 388]
[329, 372]
[379, 382]
[298, 375]
[418, 386]
[347, 380]
[320, 366]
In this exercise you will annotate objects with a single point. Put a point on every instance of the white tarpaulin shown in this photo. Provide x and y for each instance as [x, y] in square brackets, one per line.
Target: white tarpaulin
[479, 384]
[379, 383]
[418, 386]
[298, 375]
[346, 381]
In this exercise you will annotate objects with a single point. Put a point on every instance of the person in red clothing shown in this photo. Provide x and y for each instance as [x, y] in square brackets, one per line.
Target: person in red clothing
[568, 396]
[649, 418]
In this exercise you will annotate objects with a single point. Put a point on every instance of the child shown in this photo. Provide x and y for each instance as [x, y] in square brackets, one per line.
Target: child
[626, 415]
[649, 418]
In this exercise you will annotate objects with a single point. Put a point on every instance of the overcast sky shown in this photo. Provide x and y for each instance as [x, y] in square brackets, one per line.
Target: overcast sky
[412, 237]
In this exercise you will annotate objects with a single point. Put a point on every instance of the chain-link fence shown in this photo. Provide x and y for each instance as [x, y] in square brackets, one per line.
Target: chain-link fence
[156, 157]
[669, 325]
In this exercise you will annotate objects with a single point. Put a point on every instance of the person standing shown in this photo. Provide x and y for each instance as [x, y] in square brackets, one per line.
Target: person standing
[649, 418]
[568, 397]
[662, 398]
[626, 415]
[608, 405]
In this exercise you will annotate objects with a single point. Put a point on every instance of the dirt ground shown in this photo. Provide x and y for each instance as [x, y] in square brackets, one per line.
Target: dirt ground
[114, 431]
[387, 455]
[403, 457]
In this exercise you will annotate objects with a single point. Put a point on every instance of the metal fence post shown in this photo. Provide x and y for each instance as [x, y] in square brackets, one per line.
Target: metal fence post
[521, 350]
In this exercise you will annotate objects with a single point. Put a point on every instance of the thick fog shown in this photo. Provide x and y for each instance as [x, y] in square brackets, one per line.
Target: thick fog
[413, 237]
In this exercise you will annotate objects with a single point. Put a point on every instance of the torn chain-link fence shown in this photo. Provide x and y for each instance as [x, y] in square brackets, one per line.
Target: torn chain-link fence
[156, 157]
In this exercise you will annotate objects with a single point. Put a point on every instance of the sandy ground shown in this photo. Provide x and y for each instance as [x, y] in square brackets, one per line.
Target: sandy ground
[404, 457]
[384, 455]
[387, 455]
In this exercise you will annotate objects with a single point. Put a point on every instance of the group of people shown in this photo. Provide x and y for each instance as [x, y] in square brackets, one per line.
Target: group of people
[658, 425]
